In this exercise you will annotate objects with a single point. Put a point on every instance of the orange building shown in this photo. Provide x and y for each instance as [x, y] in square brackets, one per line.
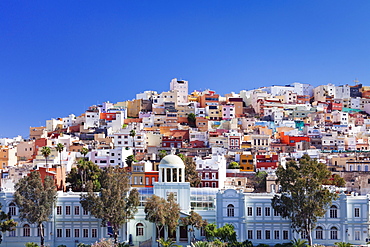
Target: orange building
[210, 98]
[57, 173]
[292, 140]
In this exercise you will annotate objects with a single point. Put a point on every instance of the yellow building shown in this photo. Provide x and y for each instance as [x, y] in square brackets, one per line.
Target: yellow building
[246, 162]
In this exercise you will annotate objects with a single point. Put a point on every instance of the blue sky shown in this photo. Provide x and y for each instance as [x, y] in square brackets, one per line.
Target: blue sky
[59, 57]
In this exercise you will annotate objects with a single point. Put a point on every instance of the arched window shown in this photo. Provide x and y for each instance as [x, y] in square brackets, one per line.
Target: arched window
[333, 233]
[359, 168]
[26, 230]
[230, 210]
[12, 209]
[333, 212]
[139, 229]
[319, 231]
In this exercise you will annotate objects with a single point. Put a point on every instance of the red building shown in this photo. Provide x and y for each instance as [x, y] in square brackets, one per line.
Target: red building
[108, 116]
[209, 177]
[172, 142]
[265, 162]
[151, 178]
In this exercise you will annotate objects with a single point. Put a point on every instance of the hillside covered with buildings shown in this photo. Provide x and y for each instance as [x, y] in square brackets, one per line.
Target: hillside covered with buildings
[230, 138]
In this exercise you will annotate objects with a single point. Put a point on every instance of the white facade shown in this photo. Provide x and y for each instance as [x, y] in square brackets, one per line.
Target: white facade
[342, 92]
[182, 88]
[91, 119]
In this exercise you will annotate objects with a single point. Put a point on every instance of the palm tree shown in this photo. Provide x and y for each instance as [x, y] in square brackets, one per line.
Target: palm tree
[83, 166]
[162, 153]
[45, 151]
[130, 159]
[166, 243]
[342, 244]
[299, 242]
[133, 134]
[59, 149]
[84, 152]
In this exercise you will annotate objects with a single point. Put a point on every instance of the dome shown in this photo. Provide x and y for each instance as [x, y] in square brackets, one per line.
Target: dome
[171, 161]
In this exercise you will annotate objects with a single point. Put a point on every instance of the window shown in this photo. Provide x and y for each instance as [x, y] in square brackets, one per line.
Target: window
[12, 209]
[85, 212]
[230, 210]
[59, 210]
[94, 233]
[259, 234]
[333, 233]
[285, 235]
[77, 210]
[139, 229]
[59, 233]
[276, 213]
[250, 211]
[68, 233]
[357, 235]
[276, 234]
[77, 233]
[12, 233]
[319, 232]
[267, 211]
[68, 210]
[267, 234]
[357, 212]
[259, 211]
[26, 230]
[333, 212]
[85, 233]
[250, 234]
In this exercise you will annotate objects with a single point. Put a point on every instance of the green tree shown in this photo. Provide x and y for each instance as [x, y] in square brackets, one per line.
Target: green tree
[162, 153]
[163, 213]
[194, 220]
[336, 180]
[130, 159]
[225, 234]
[303, 199]
[85, 171]
[192, 120]
[46, 151]
[191, 174]
[60, 148]
[133, 134]
[35, 200]
[84, 152]
[115, 203]
[6, 223]
[234, 165]
[259, 181]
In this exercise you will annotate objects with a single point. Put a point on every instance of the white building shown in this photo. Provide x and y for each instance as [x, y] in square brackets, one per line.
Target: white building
[182, 88]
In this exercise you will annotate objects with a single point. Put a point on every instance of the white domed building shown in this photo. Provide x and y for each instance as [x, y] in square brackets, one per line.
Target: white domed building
[172, 180]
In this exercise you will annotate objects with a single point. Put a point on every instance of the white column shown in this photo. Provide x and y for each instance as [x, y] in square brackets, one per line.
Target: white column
[171, 169]
[165, 174]
[177, 174]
